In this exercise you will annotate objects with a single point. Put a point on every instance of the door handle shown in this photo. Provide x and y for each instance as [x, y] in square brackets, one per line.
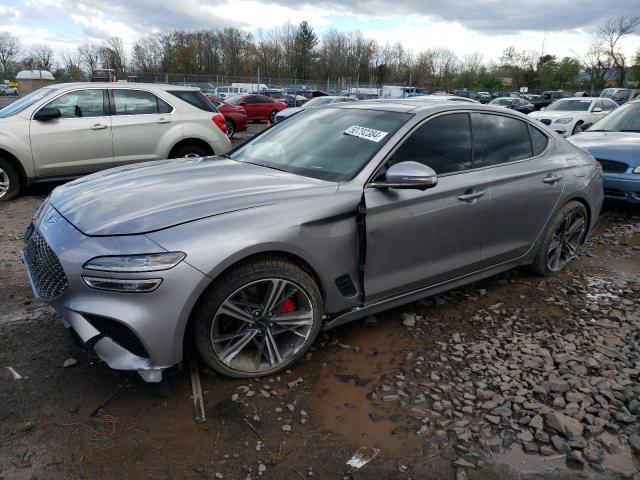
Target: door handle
[551, 179]
[98, 126]
[164, 120]
[470, 196]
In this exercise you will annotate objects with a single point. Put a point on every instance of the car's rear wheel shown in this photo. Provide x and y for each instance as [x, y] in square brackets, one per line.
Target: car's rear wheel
[272, 116]
[9, 181]
[577, 128]
[189, 151]
[231, 128]
[258, 319]
[560, 242]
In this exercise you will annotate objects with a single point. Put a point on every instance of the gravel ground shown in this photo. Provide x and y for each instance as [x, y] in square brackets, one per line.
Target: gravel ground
[517, 376]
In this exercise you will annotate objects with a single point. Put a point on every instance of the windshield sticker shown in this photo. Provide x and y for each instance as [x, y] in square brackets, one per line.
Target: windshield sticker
[366, 133]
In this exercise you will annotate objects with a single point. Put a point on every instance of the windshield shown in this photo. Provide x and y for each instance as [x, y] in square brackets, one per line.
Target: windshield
[570, 106]
[326, 143]
[623, 119]
[501, 101]
[316, 102]
[24, 102]
[235, 100]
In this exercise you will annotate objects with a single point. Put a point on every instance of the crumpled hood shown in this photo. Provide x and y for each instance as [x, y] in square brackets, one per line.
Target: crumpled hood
[150, 196]
[618, 146]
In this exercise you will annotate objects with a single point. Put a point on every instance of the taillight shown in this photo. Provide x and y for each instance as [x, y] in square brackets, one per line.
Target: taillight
[220, 122]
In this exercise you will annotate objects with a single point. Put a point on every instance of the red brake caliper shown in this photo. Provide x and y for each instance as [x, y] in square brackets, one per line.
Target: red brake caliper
[288, 306]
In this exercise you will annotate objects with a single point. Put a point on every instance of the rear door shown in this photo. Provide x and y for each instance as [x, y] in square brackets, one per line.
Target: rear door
[421, 238]
[526, 179]
[251, 106]
[77, 143]
[139, 120]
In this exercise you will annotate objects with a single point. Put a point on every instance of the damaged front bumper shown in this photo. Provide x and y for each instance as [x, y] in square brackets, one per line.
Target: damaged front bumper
[142, 332]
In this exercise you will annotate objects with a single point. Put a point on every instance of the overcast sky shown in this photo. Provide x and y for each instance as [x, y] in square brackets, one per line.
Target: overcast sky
[558, 26]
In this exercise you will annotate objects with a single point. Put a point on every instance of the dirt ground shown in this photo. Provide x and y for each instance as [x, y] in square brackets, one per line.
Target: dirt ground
[305, 423]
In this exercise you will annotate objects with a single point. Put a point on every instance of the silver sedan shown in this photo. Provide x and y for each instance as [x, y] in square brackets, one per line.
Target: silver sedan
[345, 212]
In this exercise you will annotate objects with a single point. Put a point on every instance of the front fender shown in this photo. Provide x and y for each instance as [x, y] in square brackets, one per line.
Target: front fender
[322, 231]
[14, 139]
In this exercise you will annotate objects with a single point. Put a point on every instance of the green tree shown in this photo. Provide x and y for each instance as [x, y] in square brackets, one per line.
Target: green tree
[305, 43]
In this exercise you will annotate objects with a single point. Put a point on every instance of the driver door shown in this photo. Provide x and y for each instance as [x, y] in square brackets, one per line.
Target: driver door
[418, 238]
[78, 142]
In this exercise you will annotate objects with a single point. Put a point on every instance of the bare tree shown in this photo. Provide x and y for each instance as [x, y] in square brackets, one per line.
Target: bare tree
[611, 32]
[42, 54]
[89, 56]
[71, 61]
[9, 49]
[112, 54]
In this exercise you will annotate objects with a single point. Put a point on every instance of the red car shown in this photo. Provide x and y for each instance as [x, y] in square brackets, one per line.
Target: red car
[234, 116]
[258, 107]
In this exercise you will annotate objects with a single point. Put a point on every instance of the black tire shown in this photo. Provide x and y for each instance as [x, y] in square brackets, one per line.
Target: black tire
[272, 116]
[576, 128]
[231, 129]
[189, 151]
[235, 280]
[541, 264]
[9, 181]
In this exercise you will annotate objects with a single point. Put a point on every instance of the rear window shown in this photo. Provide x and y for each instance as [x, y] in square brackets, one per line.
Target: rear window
[194, 98]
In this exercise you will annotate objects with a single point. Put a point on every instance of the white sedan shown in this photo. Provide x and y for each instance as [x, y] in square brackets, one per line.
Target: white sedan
[567, 115]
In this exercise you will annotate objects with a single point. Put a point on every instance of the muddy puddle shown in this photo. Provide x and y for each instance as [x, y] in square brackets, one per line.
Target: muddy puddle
[339, 397]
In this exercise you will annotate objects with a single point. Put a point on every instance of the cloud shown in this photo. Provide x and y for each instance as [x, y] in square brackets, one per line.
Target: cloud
[9, 14]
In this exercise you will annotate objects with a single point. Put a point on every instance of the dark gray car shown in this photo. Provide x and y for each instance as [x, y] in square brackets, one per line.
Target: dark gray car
[345, 212]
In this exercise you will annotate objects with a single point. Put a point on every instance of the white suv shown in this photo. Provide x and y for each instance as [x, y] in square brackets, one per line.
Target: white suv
[67, 130]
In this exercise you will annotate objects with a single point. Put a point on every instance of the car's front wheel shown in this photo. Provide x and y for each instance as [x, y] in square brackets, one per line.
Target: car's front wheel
[9, 181]
[577, 128]
[258, 319]
[560, 241]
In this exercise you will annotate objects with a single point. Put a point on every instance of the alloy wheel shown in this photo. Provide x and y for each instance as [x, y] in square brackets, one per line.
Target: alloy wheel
[272, 116]
[567, 239]
[262, 325]
[5, 183]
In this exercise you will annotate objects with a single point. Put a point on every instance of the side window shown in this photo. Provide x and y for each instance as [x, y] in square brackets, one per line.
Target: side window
[538, 140]
[443, 144]
[134, 102]
[163, 107]
[82, 103]
[607, 105]
[499, 139]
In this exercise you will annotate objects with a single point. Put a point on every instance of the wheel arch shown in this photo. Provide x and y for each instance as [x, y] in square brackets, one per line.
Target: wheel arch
[191, 141]
[15, 163]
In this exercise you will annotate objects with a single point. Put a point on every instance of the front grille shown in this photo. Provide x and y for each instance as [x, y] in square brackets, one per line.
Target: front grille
[613, 166]
[119, 333]
[43, 264]
[546, 121]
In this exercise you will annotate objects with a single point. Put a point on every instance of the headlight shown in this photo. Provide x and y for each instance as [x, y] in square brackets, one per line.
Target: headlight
[150, 262]
[637, 169]
[563, 120]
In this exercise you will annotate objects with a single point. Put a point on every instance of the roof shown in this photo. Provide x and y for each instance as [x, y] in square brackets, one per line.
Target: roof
[35, 75]
[161, 86]
[412, 105]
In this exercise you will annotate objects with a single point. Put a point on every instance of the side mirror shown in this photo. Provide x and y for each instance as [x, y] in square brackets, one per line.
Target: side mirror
[596, 110]
[409, 175]
[585, 126]
[47, 113]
